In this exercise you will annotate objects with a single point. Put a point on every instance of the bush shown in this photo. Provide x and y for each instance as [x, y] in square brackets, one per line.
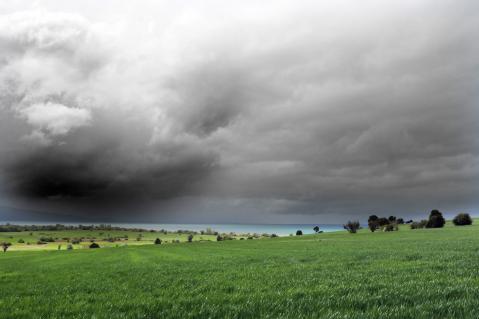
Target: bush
[219, 238]
[373, 225]
[94, 245]
[352, 226]
[157, 241]
[21, 241]
[47, 239]
[274, 235]
[299, 233]
[418, 225]
[391, 227]
[462, 219]
[76, 241]
[435, 219]
[190, 238]
[5, 246]
[383, 221]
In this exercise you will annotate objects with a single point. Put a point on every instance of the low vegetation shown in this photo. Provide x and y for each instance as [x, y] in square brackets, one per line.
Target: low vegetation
[423, 273]
[462, 219]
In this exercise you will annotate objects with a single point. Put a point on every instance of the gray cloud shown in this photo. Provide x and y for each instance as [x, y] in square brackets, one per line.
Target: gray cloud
[243, 114]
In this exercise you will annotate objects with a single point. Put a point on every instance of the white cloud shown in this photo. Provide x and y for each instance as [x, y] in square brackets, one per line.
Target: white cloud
[54, 118]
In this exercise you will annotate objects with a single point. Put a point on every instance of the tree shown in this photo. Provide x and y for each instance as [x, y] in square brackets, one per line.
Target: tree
[219, 238]
[316, 229]
[5, 246]
[392, 219]
[190, 238]
[400, 221]
[435, 219]
[352, 226]
[373, 218]
[462, 219]
[383, 221]
[157, 241]
[418, 225]
[373, 225]
[299, 232]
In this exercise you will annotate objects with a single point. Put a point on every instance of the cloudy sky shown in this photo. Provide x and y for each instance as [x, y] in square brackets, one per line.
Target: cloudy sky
[238, 111]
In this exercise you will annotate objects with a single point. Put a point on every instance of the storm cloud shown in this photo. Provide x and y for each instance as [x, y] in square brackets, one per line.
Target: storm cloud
[276, 111]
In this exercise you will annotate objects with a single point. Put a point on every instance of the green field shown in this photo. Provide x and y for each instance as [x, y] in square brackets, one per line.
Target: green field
[426, 273]
[63, 238]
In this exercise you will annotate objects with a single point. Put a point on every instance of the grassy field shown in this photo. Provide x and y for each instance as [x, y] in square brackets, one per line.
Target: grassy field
[63, 238]
[427, 273]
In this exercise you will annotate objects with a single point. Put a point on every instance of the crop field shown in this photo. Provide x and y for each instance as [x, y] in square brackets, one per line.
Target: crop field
[425, 273]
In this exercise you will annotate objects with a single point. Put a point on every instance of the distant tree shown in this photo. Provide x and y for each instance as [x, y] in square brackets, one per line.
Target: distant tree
[435, 219]
[299, 232]
[316, 229]
[400, 221]
[219, 238]
[94, 245]
[418, 225]
[383, 221]
[274, 235]
[390, 227]
[5, 246]
[190, 238]
[462, 219]
[352, 226]
[157, 241]
[392, 219]
[373, 225]
[70, 247]
[408, 221]
[373, 218]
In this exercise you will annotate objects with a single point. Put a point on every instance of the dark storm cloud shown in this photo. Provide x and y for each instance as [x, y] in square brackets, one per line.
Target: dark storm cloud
[244, 113]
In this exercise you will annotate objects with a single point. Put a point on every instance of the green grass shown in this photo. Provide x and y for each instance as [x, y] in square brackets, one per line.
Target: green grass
[429, 273]
[31, 238]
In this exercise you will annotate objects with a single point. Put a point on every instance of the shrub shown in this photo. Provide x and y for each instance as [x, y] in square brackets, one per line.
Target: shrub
[70, 247]
[299, 233]
[94, 245]
[435, 219]
[462, 219]
[76, 241]
[373, 225]
[41, 242]
[190, 238]
[21, 241]
[5, 246]
[391, 227]
[352, 226]
[219, 238]
[157, 241]
[383, 221]
[47, 239]
[418, 225]
[274, 235]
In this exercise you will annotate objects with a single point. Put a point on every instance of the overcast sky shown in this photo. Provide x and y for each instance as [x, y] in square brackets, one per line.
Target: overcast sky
[238, 111]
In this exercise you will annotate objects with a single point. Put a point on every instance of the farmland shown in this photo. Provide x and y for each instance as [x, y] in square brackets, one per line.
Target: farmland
[424, 273]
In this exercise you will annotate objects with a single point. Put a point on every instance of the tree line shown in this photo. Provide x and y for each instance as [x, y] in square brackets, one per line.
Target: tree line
[435, 220]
